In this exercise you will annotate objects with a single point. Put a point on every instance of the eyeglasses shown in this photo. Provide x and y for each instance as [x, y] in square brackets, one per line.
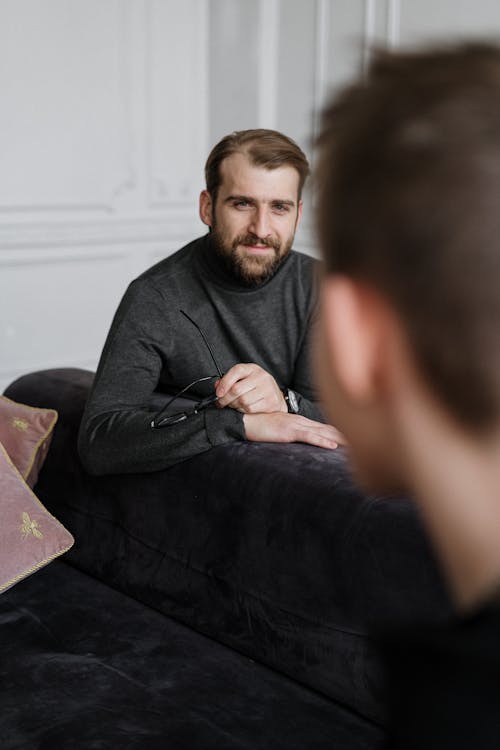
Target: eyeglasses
[165, 421]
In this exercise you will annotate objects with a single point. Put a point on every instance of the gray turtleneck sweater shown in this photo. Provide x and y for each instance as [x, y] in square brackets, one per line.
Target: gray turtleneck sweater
[152, 351]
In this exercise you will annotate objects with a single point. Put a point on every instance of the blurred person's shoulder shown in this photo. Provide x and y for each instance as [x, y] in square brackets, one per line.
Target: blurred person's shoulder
[450, 673]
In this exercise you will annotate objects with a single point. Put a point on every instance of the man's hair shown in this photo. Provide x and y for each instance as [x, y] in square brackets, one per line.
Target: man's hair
[409, 201]
[264, 148]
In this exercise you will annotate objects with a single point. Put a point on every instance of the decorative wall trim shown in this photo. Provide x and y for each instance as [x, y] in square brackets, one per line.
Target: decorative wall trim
[100, 232]
[268, 62]
[320, 77]
[393, 23]
[56, 208]
[69, 257]
[195, 121]
[369, 32]
[125, 31]
[128, 179]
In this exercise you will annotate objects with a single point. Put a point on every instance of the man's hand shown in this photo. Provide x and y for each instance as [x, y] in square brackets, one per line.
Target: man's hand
[290, 428]
[251, 390]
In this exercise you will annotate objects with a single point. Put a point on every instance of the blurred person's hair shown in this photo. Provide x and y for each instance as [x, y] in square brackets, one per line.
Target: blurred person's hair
[264, 148]
[409, 201]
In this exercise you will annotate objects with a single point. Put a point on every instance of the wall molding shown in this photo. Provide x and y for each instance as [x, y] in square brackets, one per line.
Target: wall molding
[126, 181]
[320, 63]
[269, 18]
[194, 118]
[394, 23]
[118, 231]
[368, 32]
[72, 257]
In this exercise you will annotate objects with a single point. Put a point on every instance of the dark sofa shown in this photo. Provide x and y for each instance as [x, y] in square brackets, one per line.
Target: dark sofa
[227, 602]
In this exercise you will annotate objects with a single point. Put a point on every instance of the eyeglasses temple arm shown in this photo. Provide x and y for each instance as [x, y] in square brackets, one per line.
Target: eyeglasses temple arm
[205, 340]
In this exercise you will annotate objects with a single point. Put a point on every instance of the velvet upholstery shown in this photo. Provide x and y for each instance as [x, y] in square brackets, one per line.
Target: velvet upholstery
[269, 549]
[25, 433]
[84, 667]
[30, 537]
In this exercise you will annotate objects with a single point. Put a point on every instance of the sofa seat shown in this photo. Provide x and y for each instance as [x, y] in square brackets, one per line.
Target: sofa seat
[85, 667]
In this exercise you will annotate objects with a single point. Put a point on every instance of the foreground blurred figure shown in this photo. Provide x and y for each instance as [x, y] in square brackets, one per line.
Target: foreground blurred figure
[409, 362]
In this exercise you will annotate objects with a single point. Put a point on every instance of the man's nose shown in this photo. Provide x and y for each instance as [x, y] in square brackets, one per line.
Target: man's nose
[260, 225]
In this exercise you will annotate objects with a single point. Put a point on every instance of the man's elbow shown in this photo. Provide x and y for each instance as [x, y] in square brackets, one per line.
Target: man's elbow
[92, 455]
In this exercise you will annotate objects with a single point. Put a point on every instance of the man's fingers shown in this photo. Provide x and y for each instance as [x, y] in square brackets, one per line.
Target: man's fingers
[248, 384]
[226, 383]
[239, 390]
[311, 437]
[326, 431]
[315, 433]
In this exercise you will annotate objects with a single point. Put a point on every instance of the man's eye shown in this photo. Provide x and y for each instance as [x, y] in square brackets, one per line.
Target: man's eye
[281, 207]
[241, 204]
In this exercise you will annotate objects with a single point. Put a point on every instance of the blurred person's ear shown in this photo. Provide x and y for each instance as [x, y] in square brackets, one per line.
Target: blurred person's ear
[362, 373]
[355, 330]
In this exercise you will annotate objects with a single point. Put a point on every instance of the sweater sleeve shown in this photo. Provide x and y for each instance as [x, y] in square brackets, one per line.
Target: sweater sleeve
[116, 434]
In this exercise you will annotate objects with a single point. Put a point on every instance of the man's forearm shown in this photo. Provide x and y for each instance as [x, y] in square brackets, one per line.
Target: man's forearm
[124, 441]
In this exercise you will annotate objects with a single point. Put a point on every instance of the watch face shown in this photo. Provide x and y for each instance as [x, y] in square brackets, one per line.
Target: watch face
[293, 404]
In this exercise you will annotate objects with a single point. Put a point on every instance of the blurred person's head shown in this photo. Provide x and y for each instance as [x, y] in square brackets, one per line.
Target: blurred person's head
[409, 224]
[252, 201]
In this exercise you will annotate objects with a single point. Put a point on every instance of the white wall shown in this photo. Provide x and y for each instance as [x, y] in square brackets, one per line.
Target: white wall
[103, 133]
[108, 109]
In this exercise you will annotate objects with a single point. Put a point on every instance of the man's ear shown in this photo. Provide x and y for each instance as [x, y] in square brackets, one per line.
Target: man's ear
[355, 330]
[206, 208]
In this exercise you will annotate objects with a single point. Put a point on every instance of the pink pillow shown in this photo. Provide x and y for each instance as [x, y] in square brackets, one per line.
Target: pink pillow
[26, 432]
[30, 537]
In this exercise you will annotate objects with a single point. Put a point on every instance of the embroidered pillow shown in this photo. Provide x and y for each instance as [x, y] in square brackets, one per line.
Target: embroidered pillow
[30, 537]
[26, 432]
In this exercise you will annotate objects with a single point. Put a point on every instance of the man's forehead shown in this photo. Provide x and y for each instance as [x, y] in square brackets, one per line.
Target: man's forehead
[240, 176]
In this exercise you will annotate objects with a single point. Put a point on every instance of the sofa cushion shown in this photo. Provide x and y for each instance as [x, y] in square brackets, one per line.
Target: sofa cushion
[30, 537]
[268, 548]
[25, 433]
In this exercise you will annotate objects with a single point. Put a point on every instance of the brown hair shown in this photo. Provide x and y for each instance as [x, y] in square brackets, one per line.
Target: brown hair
[409, 200]
[264, 148]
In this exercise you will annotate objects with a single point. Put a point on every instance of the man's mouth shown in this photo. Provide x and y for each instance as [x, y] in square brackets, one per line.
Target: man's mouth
[258, 249]
[257, 245]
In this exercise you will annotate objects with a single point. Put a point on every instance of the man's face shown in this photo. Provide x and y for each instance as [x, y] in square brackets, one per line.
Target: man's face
[254, 218]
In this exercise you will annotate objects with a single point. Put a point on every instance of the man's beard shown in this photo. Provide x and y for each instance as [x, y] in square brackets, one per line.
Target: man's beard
[251, 270]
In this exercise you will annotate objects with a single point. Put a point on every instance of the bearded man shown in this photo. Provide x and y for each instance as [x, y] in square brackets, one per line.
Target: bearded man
[211, 345]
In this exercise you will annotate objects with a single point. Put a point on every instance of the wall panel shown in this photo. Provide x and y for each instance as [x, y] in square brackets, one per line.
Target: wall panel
[177, 80]
[55, 308]
[234, 39]
[296, 70]
[65, 131]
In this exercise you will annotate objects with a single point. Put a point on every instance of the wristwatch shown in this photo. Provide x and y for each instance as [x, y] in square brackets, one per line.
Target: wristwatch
[291, 401]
